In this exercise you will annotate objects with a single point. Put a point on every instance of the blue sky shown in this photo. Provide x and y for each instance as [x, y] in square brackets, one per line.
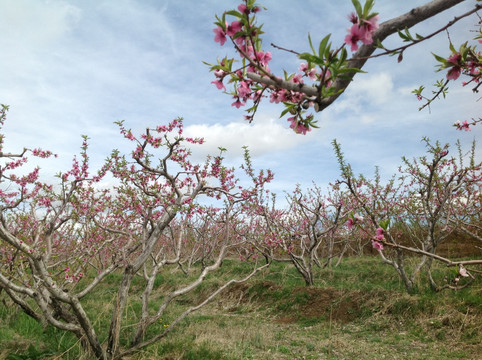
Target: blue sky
[74, 67]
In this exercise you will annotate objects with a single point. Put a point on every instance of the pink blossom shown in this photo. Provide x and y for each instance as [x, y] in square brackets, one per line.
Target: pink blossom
[276, 96]
[219, 84]
[293, 121]
[220, 36]
[353, 18]
[241, 41]
[369, 26]
[42, 153]
[358, 217]
[454, 58]
[234, 28]
[297, 79]
[462, 126]
[463, 271]
[355, 35]
[377, 245]
[297, 126]
[238, 103]
[303, 67]
[248, 50]
[350, 223]
[220, 73]
[243, 9]
[257, 95]
[312, 74]
[379, 234]
[130, 136]
[243, 89]
[453, 73]
[264, 57]
[44, 202]
[473, 67]
[361, 30]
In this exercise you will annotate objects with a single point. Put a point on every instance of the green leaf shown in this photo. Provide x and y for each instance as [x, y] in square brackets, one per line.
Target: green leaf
[401, 35]
[379, 45]
[419, 90]
[328, 51]
[288, 77]
[452, 48]
[358, 7]
[239, 34]
[284, 112]
[406, 36]
[343, 56]
[350, 70]
[322, 47]
[235, 13]
[311, 44]
[367, 8]
[311, 59]
[439, 58]
[384, 224]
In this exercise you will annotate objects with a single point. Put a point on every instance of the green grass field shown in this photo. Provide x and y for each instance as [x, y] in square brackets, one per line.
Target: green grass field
[358, 310]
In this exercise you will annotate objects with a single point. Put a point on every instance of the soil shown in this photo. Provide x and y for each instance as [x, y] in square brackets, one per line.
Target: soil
[328, 303]
[313, 303]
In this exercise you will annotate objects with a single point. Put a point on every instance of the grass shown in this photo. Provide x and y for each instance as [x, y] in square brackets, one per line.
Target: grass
[358, 310]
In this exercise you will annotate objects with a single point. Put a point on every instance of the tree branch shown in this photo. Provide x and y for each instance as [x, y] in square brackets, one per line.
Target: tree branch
[359, 59]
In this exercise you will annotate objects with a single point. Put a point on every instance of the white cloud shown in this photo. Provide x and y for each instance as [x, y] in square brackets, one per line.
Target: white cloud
[265, 135]
[36, 23]
[374, 89]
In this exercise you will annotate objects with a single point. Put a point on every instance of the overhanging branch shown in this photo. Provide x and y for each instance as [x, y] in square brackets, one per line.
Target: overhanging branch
[359, 59]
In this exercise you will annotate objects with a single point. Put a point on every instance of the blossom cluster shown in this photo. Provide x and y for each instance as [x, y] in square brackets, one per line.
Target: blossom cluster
[466, 61]
[361, 30]
[462, 126]
[376, 241]
[43, 153]
[353, 220]
[319, 70]
[70, 278]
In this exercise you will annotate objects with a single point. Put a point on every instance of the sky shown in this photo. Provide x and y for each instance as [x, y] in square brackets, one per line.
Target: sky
[70, 68]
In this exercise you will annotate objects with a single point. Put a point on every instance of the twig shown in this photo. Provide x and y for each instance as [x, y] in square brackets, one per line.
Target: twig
[284, 49]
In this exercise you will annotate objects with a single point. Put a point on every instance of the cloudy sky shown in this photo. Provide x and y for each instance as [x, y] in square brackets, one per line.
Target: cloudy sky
[69, 68]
